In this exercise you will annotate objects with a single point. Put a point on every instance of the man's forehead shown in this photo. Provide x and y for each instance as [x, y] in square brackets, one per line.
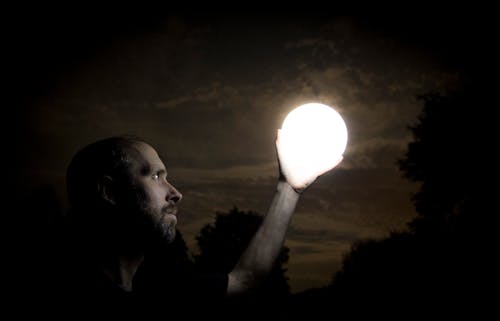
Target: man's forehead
[149, 156]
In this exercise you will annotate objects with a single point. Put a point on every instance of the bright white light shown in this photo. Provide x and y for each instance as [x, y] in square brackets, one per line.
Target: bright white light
[313, 137]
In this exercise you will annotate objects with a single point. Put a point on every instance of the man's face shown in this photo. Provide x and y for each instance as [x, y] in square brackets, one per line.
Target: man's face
[155, 197]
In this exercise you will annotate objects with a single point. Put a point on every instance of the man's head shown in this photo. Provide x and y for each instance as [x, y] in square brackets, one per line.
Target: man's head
[118, 189]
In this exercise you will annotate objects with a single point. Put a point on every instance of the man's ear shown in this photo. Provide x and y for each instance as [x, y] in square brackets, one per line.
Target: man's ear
[106, 189]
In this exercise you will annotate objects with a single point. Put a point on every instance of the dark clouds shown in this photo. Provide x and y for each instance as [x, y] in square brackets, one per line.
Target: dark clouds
[209, 94]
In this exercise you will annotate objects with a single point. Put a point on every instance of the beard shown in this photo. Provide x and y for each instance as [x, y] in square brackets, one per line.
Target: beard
[149, 227]
[135, 226]
[165, 230]
[155, 229]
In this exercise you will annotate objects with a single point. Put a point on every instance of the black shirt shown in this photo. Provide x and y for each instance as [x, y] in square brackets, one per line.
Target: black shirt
[82, 290]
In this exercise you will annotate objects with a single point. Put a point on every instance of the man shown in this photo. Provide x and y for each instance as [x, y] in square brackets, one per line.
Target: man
[122, 205]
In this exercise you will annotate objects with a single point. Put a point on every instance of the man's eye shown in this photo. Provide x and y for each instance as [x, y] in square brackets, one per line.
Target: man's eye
[156, 176]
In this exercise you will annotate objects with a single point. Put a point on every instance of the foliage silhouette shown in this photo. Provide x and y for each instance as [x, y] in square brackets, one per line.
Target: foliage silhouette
[438, 265]
[444, 158]
[222, 244]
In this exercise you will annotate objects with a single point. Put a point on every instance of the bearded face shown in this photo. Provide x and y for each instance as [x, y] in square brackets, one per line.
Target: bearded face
[148, 202]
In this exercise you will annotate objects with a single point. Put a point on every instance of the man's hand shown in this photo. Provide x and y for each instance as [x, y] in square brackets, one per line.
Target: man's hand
[299, 176]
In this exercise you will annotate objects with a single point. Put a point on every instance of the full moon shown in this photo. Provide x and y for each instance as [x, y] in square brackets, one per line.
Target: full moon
[313, 136]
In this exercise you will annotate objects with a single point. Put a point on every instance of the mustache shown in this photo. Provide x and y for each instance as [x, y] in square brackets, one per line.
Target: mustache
[169, 209]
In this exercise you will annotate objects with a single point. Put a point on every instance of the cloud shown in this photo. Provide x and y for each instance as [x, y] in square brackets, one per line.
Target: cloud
[220, 95]
[171, 88]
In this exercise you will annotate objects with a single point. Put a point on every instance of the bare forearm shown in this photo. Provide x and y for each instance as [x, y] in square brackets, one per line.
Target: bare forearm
[262, 252]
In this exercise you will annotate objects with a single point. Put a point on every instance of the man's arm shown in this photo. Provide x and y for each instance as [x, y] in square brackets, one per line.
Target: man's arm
[261, 254]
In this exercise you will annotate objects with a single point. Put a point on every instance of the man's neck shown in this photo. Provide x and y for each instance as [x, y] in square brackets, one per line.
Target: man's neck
[122, 271]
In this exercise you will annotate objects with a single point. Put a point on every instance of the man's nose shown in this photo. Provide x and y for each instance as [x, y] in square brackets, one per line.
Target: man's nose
[173, 194]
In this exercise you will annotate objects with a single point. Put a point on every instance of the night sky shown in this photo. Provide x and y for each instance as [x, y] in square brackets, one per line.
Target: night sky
[209, 91]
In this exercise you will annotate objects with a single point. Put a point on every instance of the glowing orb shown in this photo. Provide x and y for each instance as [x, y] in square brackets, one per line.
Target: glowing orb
[313, 137]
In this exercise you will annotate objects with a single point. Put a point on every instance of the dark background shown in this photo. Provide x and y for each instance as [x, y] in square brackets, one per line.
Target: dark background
[208, 88]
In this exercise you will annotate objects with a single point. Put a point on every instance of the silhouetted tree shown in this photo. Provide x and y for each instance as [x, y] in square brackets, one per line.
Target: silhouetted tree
[376, 273]
[453, 223]
[439, 264]
[445, 156]
[222, 244]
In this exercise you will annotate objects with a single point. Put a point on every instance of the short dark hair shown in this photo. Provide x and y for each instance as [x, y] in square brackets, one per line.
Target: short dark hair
[107, 157]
